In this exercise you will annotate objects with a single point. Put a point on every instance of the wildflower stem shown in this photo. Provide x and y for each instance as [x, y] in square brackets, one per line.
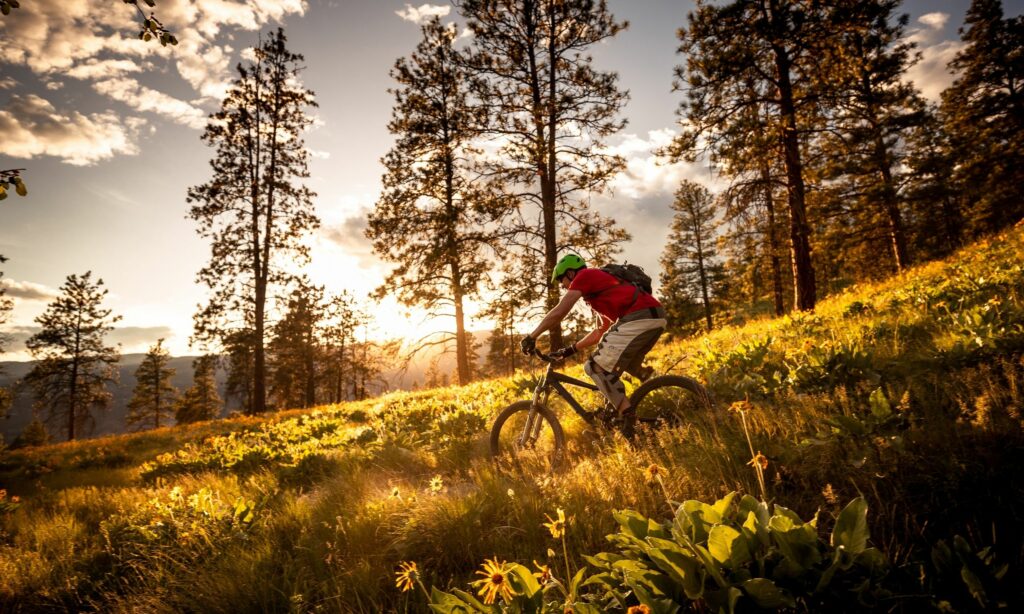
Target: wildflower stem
[565, 555]
[753, 457]
[668, 499]
[423, 588]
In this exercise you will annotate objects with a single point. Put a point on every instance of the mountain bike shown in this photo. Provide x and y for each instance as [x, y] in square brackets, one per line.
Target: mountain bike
[531, 425]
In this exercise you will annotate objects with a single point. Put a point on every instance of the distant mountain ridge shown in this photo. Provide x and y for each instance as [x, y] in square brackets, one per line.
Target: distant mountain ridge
[112, 421]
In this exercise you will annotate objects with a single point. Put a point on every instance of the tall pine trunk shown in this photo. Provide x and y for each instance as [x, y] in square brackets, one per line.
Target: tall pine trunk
[799, 231]
[890, 203]
[773, 240]
[73, 398]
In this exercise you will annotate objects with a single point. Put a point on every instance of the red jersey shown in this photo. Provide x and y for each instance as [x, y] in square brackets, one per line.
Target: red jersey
[611, 298]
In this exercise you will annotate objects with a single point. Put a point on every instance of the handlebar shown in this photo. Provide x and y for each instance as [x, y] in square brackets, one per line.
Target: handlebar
[548, 358]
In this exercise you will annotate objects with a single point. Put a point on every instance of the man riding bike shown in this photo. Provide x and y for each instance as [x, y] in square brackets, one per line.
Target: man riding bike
[631, 323]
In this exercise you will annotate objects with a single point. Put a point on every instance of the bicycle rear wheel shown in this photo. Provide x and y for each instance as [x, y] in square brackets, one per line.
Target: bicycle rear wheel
[519, 432]
[674, 400]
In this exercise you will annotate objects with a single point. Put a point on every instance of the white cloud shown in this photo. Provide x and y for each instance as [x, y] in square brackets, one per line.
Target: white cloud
[935, 21]
[102, 69]
[423, 12]
[27, 290]
[930, 75]
[146, 99]
[7, 83]
[53, 86]
[33, 127]
[647, 174]
[99, 45]
[132, 339]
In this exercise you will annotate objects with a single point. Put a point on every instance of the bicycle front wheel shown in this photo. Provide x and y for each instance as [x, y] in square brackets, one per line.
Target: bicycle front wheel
[518, 431]
[674, 400]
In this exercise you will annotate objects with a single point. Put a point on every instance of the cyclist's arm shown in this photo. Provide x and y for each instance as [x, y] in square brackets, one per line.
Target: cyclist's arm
[595, 335]
[557, 313]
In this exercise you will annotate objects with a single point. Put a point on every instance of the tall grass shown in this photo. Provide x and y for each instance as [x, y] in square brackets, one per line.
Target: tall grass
[908, 393]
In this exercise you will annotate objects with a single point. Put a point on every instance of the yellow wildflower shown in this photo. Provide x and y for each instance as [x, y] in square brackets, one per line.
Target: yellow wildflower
[406, 576]
[436, 484]
[395, 493]
[654, 472]
[759, 460]
[741, 407]
[557, 527]
[495, 581]
[543, 573]
[638, 609]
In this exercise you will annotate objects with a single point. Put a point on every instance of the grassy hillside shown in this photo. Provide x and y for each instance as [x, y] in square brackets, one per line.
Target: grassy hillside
[905, 398]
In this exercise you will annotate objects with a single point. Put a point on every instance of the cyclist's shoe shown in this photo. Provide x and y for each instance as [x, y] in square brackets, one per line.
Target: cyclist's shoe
[629, 423]
[608, 415]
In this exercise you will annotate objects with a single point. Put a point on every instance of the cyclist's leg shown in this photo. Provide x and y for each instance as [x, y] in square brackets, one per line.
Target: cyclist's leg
[607, 382]
[646, 342]
[622, 346]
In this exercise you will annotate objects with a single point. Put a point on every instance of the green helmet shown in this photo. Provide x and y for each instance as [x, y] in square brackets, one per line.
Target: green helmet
[569, 262]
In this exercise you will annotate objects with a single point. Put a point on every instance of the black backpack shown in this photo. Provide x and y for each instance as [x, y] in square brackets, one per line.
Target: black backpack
[626, 273]
[630, 274]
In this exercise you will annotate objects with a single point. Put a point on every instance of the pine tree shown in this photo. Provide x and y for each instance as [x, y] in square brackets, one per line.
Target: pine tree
[6, 306]
[338, 336]
[753, 214]
[240, 352]
[984, 115]
[431, 219]
[689, 260]
[873, 112]
[295, 350]
[200, 401]
[34, 434]
[932, 191]
[764, 54]
[550, 111]
[255, 209]
[154, 395]
[73, 365]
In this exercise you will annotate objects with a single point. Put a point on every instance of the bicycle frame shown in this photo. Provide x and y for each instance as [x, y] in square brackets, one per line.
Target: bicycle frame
[553, 380]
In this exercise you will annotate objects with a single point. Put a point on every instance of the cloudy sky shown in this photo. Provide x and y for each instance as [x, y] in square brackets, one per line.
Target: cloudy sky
[108, 127]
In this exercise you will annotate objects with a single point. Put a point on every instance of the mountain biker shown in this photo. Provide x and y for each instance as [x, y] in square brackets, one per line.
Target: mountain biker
[631, 323]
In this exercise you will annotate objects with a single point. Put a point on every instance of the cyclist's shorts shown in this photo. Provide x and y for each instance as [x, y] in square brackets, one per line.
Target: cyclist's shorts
[626, 343]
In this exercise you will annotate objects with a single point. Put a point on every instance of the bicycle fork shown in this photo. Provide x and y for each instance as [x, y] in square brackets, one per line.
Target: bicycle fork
[534, 421]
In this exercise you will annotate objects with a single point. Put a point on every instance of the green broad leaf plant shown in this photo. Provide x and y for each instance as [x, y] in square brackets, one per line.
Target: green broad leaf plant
[738, 554]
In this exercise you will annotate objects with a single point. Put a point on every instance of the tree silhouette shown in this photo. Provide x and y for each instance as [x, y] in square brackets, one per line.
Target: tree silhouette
[154, 396]
[984, 114]
[295, 351]
[6, 305]
[872, 113]
[255, 209]
[759, 53]
[73, 364]
[200, 401]
[548, 112]
[688, 260]
[432, 218]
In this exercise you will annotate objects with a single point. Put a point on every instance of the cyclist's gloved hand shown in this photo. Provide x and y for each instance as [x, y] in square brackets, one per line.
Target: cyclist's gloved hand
[528, 345]
[563, 353]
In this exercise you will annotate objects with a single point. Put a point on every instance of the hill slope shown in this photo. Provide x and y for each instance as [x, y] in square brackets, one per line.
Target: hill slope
[905, 397]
